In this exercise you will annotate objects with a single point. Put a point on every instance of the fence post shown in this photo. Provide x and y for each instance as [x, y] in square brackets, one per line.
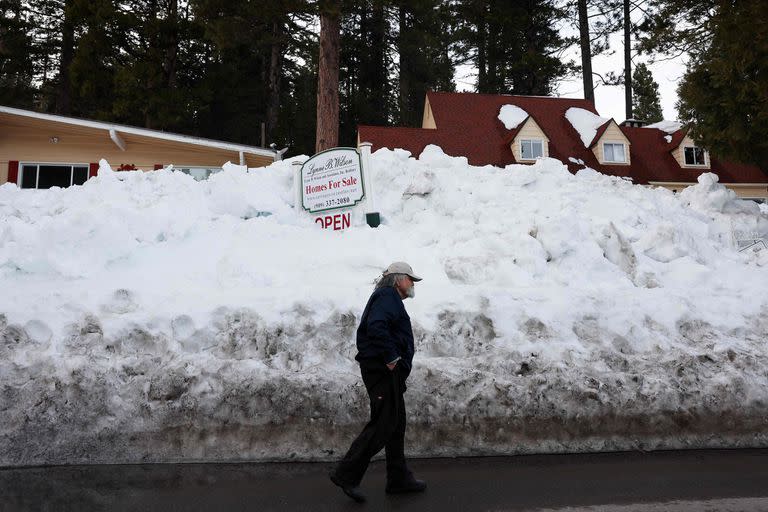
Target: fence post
[372, 217]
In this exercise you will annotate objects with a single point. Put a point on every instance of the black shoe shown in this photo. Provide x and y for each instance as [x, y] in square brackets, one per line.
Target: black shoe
[350, 490]
[411, 485]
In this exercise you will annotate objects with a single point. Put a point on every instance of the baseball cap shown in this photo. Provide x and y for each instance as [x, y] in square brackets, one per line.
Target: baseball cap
[401, 267]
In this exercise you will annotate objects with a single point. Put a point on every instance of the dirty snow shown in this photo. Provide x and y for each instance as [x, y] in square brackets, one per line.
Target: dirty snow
[585, 122]
[666, 126]
[152, 317]
[512, 116]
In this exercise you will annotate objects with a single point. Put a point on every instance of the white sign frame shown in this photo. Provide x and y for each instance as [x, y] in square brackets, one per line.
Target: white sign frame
[350, 205]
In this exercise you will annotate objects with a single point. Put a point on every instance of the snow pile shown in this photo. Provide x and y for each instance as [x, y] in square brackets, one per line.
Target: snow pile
[666, 126]
[151, 317]
[512, 116]
[585, 122]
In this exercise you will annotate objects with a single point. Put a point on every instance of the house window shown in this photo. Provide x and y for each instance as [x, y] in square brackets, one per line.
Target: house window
[531, 149]
[614, 152]
[52, 175]
[199, 173]
[694, 156]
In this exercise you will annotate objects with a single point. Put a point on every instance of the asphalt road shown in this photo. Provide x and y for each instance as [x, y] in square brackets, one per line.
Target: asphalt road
[716, 480]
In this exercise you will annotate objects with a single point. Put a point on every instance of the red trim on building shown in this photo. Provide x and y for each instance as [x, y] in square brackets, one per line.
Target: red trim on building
[93, 170]
[13, 172]
[158, 167]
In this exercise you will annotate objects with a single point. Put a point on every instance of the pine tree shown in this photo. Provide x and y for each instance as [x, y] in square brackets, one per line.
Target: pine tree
[16, 55]
[723, 93]
[597, 20]
[512, 44]
[423, 44]
[646, 102]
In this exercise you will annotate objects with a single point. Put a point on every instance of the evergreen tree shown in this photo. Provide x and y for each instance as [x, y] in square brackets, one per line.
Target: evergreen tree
[724, 93]
[646, 102]
[424, 63]
[513, 45]
[367, 66]
[17, 65]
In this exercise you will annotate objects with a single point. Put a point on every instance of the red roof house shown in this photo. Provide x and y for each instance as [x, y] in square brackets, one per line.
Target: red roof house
[468, 124]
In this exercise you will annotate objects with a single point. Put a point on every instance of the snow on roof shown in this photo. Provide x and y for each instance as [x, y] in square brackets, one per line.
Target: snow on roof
[665, 126]
[585, 122]
[512, 116]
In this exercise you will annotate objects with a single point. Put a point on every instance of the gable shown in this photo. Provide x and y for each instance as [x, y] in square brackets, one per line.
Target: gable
[610, 132]
[679, 153]
[428, 120]
[530, 129]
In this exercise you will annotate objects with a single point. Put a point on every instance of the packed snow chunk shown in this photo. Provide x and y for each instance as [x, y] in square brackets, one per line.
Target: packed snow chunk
[585, 122]
[435, 156]
[668, 138]
[710, 196]
[512, 116]
[666, 126]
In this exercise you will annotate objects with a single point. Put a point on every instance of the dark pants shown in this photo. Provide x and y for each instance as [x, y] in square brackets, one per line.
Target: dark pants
[386, 428]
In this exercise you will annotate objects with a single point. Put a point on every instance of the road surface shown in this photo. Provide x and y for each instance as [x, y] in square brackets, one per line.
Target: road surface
[717, 480]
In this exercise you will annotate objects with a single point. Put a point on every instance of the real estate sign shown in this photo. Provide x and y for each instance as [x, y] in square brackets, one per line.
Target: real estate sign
[331, 180]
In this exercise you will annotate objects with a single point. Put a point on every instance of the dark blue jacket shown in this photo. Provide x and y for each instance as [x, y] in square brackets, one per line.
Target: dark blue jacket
[385, 330]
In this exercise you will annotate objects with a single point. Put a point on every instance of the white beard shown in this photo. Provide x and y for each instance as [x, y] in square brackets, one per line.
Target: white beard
[411, 292]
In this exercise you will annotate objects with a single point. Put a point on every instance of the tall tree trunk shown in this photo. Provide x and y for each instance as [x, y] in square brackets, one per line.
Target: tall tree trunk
[586, 51]
[328, 76]
[378, 86]
[627, 62]
[405, 63]
[171, 59]
[64, 86]
[493, 77]
[482, 52]
[275, 71]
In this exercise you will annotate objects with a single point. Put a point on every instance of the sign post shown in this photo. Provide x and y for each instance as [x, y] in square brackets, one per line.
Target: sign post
[331, 184]
[372, 217]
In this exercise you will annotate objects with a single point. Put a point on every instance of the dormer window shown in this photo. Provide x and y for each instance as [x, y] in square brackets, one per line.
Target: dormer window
[695, 156]
[531, 149]
[614, 152]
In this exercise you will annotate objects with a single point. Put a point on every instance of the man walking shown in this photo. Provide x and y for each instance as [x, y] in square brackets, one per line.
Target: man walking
[385, 353]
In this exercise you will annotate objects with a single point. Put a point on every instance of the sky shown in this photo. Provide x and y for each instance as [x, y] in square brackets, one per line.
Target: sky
[609, 100]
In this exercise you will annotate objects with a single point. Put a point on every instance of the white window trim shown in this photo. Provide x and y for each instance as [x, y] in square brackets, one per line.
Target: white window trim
[706, 157]
[626, 152]
[72, 165]
[543, 149]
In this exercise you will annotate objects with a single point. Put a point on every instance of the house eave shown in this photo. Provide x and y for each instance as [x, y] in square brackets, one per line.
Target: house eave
[143, 132]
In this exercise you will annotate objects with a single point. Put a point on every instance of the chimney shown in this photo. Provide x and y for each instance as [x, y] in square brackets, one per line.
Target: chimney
[634, 123]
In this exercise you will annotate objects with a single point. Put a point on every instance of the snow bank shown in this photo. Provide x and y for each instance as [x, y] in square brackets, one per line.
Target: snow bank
[512, 116]
[585, 122]
[666, 126]
[151, 317]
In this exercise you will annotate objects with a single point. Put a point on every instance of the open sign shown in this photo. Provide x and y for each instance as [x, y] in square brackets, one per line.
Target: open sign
[337, 222]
